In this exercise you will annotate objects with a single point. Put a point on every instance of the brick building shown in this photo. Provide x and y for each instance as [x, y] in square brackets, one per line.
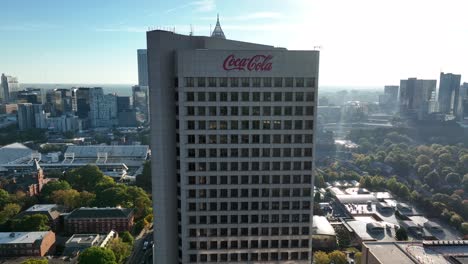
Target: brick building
[19, 244]
[99, 220]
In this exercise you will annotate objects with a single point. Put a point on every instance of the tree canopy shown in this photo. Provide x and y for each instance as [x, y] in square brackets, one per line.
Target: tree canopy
[97, 255]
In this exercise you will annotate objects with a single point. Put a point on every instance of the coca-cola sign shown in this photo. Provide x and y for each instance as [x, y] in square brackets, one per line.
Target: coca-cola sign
[254, 63]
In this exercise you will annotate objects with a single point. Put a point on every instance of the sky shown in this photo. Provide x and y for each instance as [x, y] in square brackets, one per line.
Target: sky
[362, 42]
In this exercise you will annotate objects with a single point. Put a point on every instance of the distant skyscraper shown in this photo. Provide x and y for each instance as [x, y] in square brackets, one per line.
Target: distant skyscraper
[449, 93]
[233, 126]
[218, 31]
[415, 95]
[102, 108]
[123, 103]
[9, 84]
[464, 98]
[388, 101]
[80, 101]
[140, 102]
[25, 116]
[142, 67]
[126, 115]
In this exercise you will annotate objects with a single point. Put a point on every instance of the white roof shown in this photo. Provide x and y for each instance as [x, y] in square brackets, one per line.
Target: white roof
[356, 198]
[41, 208]
[321, 226]
[13, 152]
[21, 237]
[112, 151]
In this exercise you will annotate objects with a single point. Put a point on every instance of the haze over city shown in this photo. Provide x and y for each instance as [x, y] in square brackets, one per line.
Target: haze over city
[363, 42]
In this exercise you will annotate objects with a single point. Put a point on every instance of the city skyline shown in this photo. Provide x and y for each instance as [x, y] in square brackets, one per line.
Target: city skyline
[91, 42]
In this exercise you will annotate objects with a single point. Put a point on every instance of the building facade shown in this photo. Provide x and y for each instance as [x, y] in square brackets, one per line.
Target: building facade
[449, 93]
[9, 84]
[20, 244]
[415, 95]
[102, 108]
[142, 67]
[25, 116]
[233, 124]
[99, 220]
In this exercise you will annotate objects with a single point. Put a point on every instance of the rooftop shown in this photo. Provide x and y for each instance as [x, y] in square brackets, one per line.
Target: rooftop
[137, 151]
[321, 226]
[21, 237]
[13, 152]
[42, 208]
[108, 212]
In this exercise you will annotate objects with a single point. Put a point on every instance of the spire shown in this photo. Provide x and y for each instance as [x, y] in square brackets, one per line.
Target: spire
[218, 32]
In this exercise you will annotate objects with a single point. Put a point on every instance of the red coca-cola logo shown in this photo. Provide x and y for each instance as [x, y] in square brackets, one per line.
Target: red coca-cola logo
[254, 63]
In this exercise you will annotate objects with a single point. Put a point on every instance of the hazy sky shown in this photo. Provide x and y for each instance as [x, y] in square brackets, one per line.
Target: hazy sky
[363, 42]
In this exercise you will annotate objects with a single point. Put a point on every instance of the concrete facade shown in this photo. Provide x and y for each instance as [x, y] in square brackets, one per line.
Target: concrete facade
[232, 128]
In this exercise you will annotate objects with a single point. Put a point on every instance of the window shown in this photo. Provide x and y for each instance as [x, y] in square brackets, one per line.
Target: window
[201, 82]
[309, 110]
[310, 82]
[299, 96]
[245, 96]
[234, 82]
[256, 82]
[256, 110]
[190, 125]
[201, 111]
[266, 110]
[245, 111]
[223, 81]
[212, 96]
[256, 96]
[245, 82]
[211, 82]
[234, 110]
[234, 96]
[189, 82]
[288, 82]
[310, 96]
[298, 110]
[267, 82]
[278, 82]
[299, 82]
[223, 110]
[278, 96]
[190, 96]
[267, 96]
[223, 96]
[212, 110]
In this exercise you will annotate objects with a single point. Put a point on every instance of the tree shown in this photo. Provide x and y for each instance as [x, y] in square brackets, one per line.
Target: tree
[453, 178]
[35, 222]
[51, 187]
[401, 234]
[321, 257]
[464, 228]
[357, 258]
[85, 178]
[8, 212]
[144, 180]
[121, 249]
[97, 255]
[68, 198]
[127, 237]
[35, 261]
[432, 178]
[423, 170]
[423, 160]
[4, 198]
[343, 237]
[456, 220]
[338, 257]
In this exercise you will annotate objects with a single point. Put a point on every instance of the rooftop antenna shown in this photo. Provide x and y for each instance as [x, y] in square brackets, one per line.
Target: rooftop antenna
[191, 30]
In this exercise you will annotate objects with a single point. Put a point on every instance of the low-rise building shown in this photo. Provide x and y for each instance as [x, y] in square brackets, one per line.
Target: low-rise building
[415, 252]
[99, 220]
[19, 244]
[323, 234]
[80, 242]
[52, 211]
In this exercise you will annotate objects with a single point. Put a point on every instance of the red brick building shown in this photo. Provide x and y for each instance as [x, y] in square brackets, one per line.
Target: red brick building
[17, 244]
[99, 220]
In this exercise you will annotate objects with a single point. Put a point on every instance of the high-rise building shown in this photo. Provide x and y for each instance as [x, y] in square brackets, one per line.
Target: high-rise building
[233, 123]
[415, 95]
[123, 103]
[449, 91]
[141, 102]
[80, 101]
[464, 98]
[126, 115]
[62, 101]
[142, 67]
[9, 84]
[388, 101]
[25, 116]
[102, 108]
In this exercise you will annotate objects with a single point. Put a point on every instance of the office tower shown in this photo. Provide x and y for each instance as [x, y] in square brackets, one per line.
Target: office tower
[126, 115]
[102, 108]
[232, 123]
[25, 116]
[415, 95]
[62, 101]
[388, 101]
[142, 67]
[449, 90]
[464, 99]
[9, 84]
[80, 101]
[140, 102]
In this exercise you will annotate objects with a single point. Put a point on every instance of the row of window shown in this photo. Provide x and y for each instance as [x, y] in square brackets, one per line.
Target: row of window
[250, 139]
[251, 125]
[274, 256]
[245, 193]
[252, 231]
[249, 96]
[244, 244]
[250, 111]
[251, 179]
[249, 82]
[253, 219]
[249, 166]
[245, 206]
[245, 153]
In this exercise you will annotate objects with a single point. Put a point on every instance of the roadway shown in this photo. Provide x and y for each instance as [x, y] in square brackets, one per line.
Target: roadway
[138, 255]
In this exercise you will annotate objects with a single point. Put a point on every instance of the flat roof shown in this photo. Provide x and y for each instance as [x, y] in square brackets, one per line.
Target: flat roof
[112, 151]
[321, 226]
[41, 208]
[21, 237]
[388, 253]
